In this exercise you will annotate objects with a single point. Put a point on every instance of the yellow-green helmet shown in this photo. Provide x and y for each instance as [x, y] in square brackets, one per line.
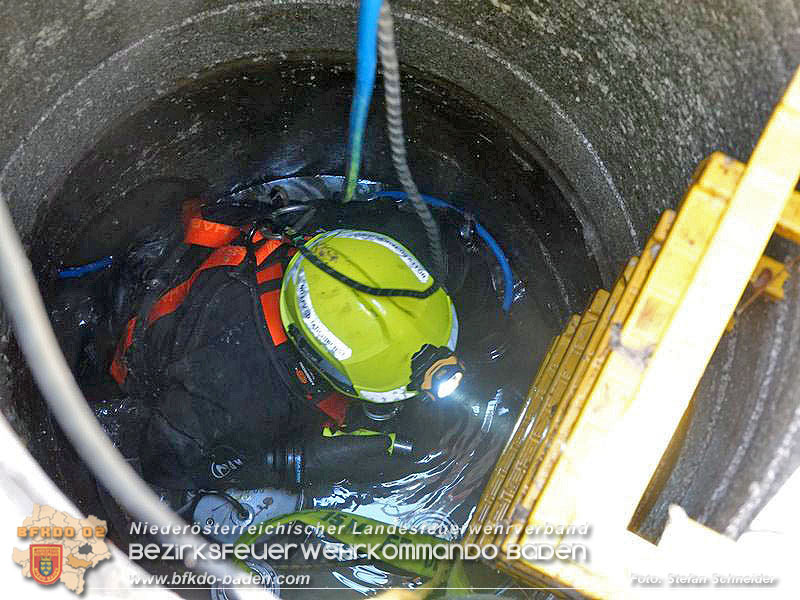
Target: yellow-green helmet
[364, 344]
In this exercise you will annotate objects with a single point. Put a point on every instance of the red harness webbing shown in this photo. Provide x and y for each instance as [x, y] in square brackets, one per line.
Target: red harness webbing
[200, 232]
[209, 234]
[227, 256]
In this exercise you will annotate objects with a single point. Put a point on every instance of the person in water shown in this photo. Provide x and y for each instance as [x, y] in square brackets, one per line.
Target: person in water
[250, 340]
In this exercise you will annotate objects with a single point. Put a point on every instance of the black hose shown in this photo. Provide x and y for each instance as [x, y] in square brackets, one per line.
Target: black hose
[397, 143]
[331, 459]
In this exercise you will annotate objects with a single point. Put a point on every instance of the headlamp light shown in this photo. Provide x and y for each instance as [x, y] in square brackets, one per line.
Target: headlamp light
[448, 386]
[443, 377]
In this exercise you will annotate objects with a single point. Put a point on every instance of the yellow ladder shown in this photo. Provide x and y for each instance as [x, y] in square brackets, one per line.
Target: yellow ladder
[614, 385]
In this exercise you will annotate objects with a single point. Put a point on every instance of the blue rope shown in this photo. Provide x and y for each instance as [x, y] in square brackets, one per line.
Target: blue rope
[92, 267]
[508, 291]
[366, 62]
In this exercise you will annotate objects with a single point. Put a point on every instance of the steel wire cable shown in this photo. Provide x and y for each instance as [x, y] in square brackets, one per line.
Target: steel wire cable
[397, 143]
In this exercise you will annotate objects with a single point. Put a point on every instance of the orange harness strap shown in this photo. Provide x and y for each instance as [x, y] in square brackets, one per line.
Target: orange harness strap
[119, 368]
[270, 299]
[226, 256]
[216, 235]
[200, 232]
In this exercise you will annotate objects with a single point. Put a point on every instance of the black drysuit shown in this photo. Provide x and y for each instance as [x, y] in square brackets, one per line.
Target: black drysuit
[224, 403]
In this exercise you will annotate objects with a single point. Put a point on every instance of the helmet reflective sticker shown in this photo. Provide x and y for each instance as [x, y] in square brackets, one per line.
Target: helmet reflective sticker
[451, 342]
[387, 242]
[325, 336]
[394, 395]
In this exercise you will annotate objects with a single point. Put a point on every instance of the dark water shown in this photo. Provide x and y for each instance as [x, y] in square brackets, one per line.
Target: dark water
[269, 121]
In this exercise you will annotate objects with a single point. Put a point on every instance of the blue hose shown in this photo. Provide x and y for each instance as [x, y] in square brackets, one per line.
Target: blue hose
[366, 62]
[92, 267]
[508, 291]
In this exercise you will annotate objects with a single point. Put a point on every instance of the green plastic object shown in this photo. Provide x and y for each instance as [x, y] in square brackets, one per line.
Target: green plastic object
[363, 343]
[354, 529]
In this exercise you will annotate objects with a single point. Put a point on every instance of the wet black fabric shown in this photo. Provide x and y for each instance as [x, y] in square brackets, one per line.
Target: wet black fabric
[214, 393]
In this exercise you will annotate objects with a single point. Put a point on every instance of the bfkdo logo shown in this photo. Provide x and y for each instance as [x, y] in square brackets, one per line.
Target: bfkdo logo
[62, 547]
[46, 561]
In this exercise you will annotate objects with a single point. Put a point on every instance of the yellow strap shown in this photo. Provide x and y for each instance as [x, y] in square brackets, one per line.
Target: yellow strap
[328, 432]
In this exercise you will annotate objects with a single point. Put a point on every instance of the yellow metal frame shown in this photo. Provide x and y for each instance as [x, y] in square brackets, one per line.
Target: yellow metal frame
[613, 387]
[770, 274]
